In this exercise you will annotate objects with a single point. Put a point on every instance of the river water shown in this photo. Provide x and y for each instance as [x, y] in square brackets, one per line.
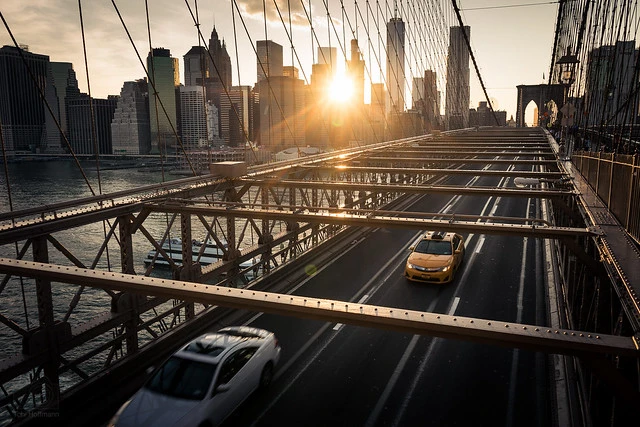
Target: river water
[46, 182]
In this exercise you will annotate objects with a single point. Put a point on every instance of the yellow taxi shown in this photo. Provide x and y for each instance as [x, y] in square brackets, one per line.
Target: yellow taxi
[435, 258]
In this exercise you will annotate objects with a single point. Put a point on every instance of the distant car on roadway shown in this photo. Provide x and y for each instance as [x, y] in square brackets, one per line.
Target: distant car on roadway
[435, 258]
[205, 381]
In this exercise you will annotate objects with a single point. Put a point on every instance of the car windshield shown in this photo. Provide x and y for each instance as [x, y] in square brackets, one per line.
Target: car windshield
[183, 378]
[433, 247]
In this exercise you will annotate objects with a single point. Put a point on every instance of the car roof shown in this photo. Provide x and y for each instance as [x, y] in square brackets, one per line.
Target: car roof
[438, 235]
[212, 347]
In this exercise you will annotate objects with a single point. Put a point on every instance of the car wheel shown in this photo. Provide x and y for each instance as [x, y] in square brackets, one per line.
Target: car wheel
[266, 376]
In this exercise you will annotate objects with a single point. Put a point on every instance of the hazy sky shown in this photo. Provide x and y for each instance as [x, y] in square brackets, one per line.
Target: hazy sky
[512, 44]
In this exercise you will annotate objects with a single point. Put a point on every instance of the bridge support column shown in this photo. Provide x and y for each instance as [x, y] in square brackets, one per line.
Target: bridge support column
[189, 270]
[127, 300]
[45, 336]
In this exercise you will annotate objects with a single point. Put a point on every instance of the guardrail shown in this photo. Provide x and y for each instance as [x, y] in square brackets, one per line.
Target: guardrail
[616, 180]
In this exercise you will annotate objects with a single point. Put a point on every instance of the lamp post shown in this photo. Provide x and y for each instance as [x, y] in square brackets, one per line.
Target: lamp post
[567, 65]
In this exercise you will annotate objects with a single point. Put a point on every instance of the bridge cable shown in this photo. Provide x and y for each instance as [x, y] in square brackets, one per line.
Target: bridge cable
[94, 135]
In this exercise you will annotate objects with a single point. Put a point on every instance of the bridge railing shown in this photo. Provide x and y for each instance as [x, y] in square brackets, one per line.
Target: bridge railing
[616, 180]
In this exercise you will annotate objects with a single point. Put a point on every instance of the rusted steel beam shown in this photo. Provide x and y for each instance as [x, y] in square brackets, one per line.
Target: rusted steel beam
[495, 332]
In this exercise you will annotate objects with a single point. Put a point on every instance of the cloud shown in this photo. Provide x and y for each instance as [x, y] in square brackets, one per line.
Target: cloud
[256, 10]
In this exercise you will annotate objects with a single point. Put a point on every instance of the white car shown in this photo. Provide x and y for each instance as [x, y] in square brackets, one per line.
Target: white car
[205, 381]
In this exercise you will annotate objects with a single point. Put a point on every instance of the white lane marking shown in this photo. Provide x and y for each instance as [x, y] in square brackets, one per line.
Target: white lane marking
[514, 361]
[291, 291]
[363, 299]
[382, 400]
[322, 330]
[338, 326]
[434, 342]
[454, 306]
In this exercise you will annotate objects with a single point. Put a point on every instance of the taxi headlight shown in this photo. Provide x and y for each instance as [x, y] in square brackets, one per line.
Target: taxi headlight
[445, 268]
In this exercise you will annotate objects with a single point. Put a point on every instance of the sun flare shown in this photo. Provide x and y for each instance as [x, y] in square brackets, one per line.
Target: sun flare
[341, 89]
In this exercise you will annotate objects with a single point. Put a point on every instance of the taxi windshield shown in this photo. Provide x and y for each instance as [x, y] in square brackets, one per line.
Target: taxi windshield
[433, 247]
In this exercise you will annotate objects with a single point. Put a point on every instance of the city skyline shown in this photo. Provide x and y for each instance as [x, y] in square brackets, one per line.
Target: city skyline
[113, 63]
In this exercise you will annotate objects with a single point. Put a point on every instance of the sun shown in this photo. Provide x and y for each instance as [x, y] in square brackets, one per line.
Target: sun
[341, 89]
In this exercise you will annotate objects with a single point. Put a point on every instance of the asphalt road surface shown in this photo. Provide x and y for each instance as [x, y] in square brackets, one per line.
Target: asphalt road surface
[340, 375]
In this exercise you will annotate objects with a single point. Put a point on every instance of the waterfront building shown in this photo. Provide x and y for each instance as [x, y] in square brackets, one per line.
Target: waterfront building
[482, 116]
[193, 117]
[82, 138]
[130, 128]
[165, 79]
[395, 65]
[458, 94]
[27, 125]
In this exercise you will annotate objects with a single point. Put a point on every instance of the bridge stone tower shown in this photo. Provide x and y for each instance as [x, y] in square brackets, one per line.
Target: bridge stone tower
[541, 95]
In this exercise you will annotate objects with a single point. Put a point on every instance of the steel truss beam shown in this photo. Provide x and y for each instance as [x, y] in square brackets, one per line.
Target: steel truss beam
[432, 171]
[458, 153]
[518, 335]
[408, 189]
[455, 161]
[372, 219]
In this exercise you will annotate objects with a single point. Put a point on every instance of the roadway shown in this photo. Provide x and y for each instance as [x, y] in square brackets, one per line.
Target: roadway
[333, 374]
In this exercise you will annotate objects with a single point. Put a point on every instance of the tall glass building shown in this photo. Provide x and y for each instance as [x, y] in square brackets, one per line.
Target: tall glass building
[395, 65]
[24, 117]
[165, 80]
[458, 96]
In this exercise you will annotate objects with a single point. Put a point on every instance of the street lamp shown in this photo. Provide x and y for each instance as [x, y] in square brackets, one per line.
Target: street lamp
[567, 65]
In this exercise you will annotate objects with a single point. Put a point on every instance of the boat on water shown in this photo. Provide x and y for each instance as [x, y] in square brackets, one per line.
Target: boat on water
[211, 253]
[173, 248]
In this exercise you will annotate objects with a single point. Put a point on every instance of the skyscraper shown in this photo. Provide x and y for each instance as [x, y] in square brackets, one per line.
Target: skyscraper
[431, 101]
[220, 67]
[282, 118]
[82, 120]
[329, 56]
[66, 85]
[193, 117]
[417, 92]
[165, 78]
[269, 61]
[23, 114]
[395, 65]
[610, 83]
[195, 66]
[457, 105]
[355, 74]
[236, 111]
[130, 129]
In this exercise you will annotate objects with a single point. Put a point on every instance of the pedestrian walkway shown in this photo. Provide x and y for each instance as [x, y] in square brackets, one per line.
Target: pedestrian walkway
[621, 252]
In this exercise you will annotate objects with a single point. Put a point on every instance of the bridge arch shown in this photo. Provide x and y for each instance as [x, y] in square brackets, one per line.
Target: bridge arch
[540, 95]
